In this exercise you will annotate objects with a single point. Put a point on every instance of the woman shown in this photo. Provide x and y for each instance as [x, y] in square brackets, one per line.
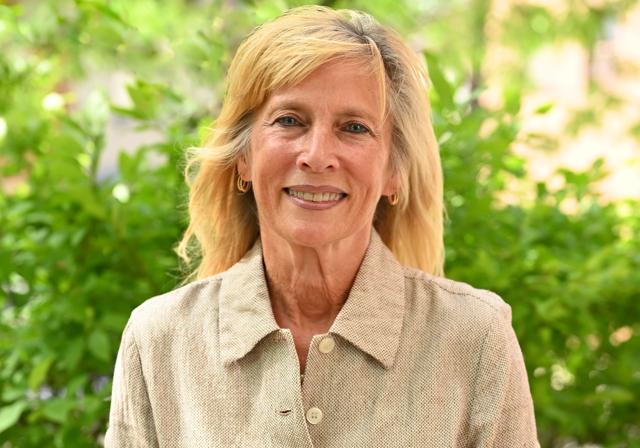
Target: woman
[303, 328]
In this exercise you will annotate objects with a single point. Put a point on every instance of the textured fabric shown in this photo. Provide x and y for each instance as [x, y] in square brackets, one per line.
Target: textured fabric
[418, 361]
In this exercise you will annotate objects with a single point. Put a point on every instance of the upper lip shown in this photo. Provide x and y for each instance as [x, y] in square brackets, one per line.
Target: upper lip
[315, 189]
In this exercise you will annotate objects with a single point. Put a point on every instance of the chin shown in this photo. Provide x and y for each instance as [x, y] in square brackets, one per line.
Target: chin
[313, 234]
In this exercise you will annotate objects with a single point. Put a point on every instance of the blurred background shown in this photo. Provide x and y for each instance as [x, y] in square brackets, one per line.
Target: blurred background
[536, 105]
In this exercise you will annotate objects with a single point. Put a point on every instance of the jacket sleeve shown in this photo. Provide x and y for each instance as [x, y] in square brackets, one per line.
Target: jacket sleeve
[502, 409]
[131, 422]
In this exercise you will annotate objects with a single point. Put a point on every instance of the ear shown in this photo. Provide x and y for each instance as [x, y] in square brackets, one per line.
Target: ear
[392, 185]
[243, 167]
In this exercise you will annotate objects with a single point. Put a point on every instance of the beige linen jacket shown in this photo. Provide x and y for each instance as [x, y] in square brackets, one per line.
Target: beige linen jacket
[411, 360]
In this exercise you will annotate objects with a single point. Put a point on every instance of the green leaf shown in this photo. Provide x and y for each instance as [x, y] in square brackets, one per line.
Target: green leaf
[616, 394]
[99, 345]
[65, 143]
[105, 9]
[442, 86]
[57, 409]
[544, 108]
[73, 354]
[10, 414]
[96, 112]
[39, 373]
[114, 321]
[77, 383]
[12, 392]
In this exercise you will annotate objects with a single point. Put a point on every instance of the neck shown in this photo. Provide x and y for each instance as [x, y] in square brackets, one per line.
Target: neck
[309, 285]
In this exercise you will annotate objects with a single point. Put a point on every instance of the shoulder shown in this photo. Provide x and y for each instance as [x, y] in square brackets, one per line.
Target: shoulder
[454, 304]
[179, 309]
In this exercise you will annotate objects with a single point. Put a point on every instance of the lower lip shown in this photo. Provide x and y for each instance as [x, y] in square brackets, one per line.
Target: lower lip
[310, 205]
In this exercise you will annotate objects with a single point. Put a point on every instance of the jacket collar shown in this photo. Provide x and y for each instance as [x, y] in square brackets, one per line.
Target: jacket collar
[371, 318]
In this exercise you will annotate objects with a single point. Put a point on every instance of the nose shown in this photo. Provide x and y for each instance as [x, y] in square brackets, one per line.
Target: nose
[319, 151]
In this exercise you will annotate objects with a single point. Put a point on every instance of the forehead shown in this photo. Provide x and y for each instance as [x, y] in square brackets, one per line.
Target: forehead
[342, 82]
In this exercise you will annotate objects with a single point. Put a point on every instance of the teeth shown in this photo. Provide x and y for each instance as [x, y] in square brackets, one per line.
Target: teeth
[315, 197]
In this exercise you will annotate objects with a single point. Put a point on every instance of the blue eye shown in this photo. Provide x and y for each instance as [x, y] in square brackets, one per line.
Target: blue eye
[356, 128]
[287, 120]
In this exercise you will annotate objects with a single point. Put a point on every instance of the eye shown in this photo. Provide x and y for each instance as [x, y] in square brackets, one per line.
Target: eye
[356, 128]
[287, 120]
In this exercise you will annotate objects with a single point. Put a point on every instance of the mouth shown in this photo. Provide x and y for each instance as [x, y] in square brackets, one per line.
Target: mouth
[320, 196]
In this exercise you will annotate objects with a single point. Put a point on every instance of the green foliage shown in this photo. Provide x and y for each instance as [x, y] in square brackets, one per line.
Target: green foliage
[78, 250]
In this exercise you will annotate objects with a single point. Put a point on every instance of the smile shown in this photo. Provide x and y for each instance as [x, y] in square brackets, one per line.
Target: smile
[315, 197]
[315, 200]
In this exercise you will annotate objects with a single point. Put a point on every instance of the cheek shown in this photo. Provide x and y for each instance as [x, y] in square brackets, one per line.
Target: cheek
[271, 169]
[269, 147]
[371, 172]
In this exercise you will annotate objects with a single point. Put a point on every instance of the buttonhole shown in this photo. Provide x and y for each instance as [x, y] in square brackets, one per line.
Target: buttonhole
[284, 412]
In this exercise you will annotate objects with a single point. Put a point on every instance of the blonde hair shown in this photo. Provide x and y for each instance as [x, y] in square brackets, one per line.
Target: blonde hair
[224, 225]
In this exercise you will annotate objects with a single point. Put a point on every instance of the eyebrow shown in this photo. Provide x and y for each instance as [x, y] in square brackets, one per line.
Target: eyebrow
[288, 103]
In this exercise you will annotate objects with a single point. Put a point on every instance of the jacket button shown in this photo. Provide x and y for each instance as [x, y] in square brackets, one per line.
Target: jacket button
[326, 345]
[314, 416]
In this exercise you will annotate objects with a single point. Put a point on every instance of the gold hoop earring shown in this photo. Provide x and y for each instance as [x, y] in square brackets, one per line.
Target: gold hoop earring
[393, 199]
[242, 185]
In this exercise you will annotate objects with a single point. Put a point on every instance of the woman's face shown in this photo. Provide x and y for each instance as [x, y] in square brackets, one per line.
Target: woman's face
[319, 157]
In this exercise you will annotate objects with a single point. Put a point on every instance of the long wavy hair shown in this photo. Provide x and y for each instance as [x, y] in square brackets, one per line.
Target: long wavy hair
[224, 224]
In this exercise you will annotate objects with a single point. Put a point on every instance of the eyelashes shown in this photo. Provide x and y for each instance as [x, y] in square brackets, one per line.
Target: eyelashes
[287, 121]
[352, 127]
[357, 128]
